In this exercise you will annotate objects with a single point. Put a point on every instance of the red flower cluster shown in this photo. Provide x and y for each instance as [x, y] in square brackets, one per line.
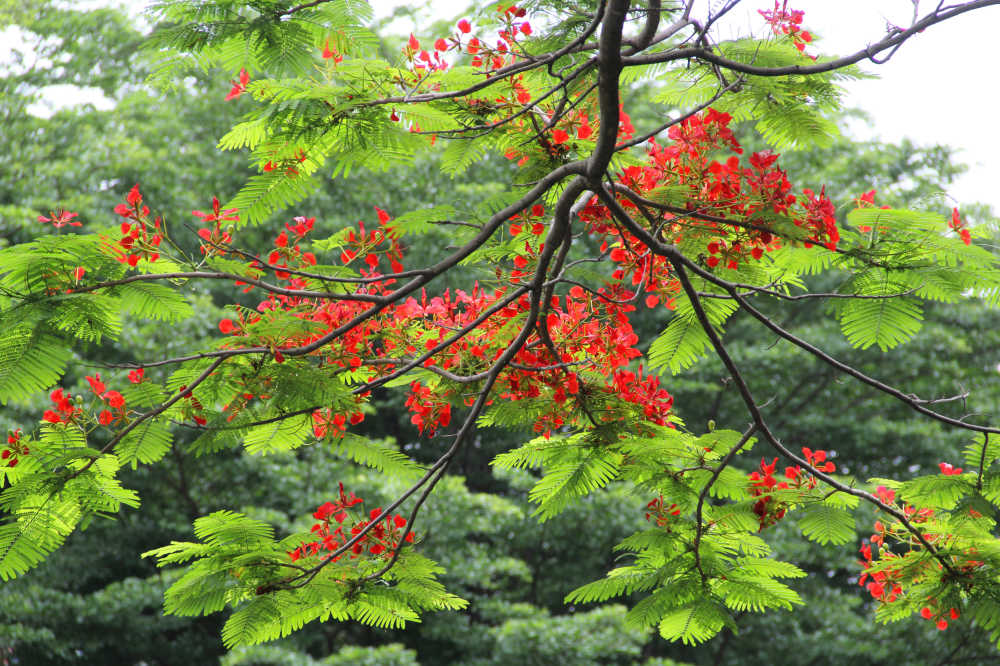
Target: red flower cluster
[14, 449]
[660, 513]
[114, 400]
[192, 409]
[421, 60]
[215, 237]
[64, 411]
[788, 22]
[762, 483]
[889, 583]
[938, 617]
[326, 422]
[884, 585]
[288, 164]
[137, 242]
[589, 330]
[720, 191]
[329, 54]
[429, 411]
[770, 508]
[382, 540]
[632, 387]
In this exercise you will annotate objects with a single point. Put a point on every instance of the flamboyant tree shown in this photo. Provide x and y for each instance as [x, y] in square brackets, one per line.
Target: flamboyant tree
[523, 321]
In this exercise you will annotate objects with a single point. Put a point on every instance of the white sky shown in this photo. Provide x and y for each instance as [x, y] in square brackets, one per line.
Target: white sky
[941, 87]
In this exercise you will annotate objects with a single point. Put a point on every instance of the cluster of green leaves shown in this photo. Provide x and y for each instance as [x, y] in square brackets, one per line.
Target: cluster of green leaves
[239, 563]
[903, 259]
[789, 112]
[65, 480]
[707, 560]
[957, 513]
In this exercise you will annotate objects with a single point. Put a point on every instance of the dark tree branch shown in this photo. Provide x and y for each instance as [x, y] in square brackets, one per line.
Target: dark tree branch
[890, 42]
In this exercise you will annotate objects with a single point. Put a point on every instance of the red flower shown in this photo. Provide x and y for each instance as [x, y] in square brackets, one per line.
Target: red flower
[134, 198]
[886, 495]
[957, 223]
[239, 88]
[60, 219]
[216, 215]
[464, 26]
[136, 376]
[96, 385]
[115, 399]
[330, 53]
[948, 470]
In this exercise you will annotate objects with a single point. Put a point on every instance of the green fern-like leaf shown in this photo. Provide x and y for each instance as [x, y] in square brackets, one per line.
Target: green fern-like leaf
[30, 361]
[976, 457]
[87, 317]
[938, 491]
[148, 300]
[379, 455]
[252, 622]
[284, 435]
[886, 320]
[695, 622]
[39, 527]
[228, 528]
[565, 481]
[619, 582]
[754, 593]
[375, 611]
[684, 340]
[266, 193]
[419, 221]
[825, 523]
[766, 567]
[146, 444]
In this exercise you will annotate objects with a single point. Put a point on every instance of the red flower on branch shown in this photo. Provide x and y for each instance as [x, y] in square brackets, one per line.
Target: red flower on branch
[239, 87]
[958, 224]
[12, 452]
[60, 219]
[329, 53]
